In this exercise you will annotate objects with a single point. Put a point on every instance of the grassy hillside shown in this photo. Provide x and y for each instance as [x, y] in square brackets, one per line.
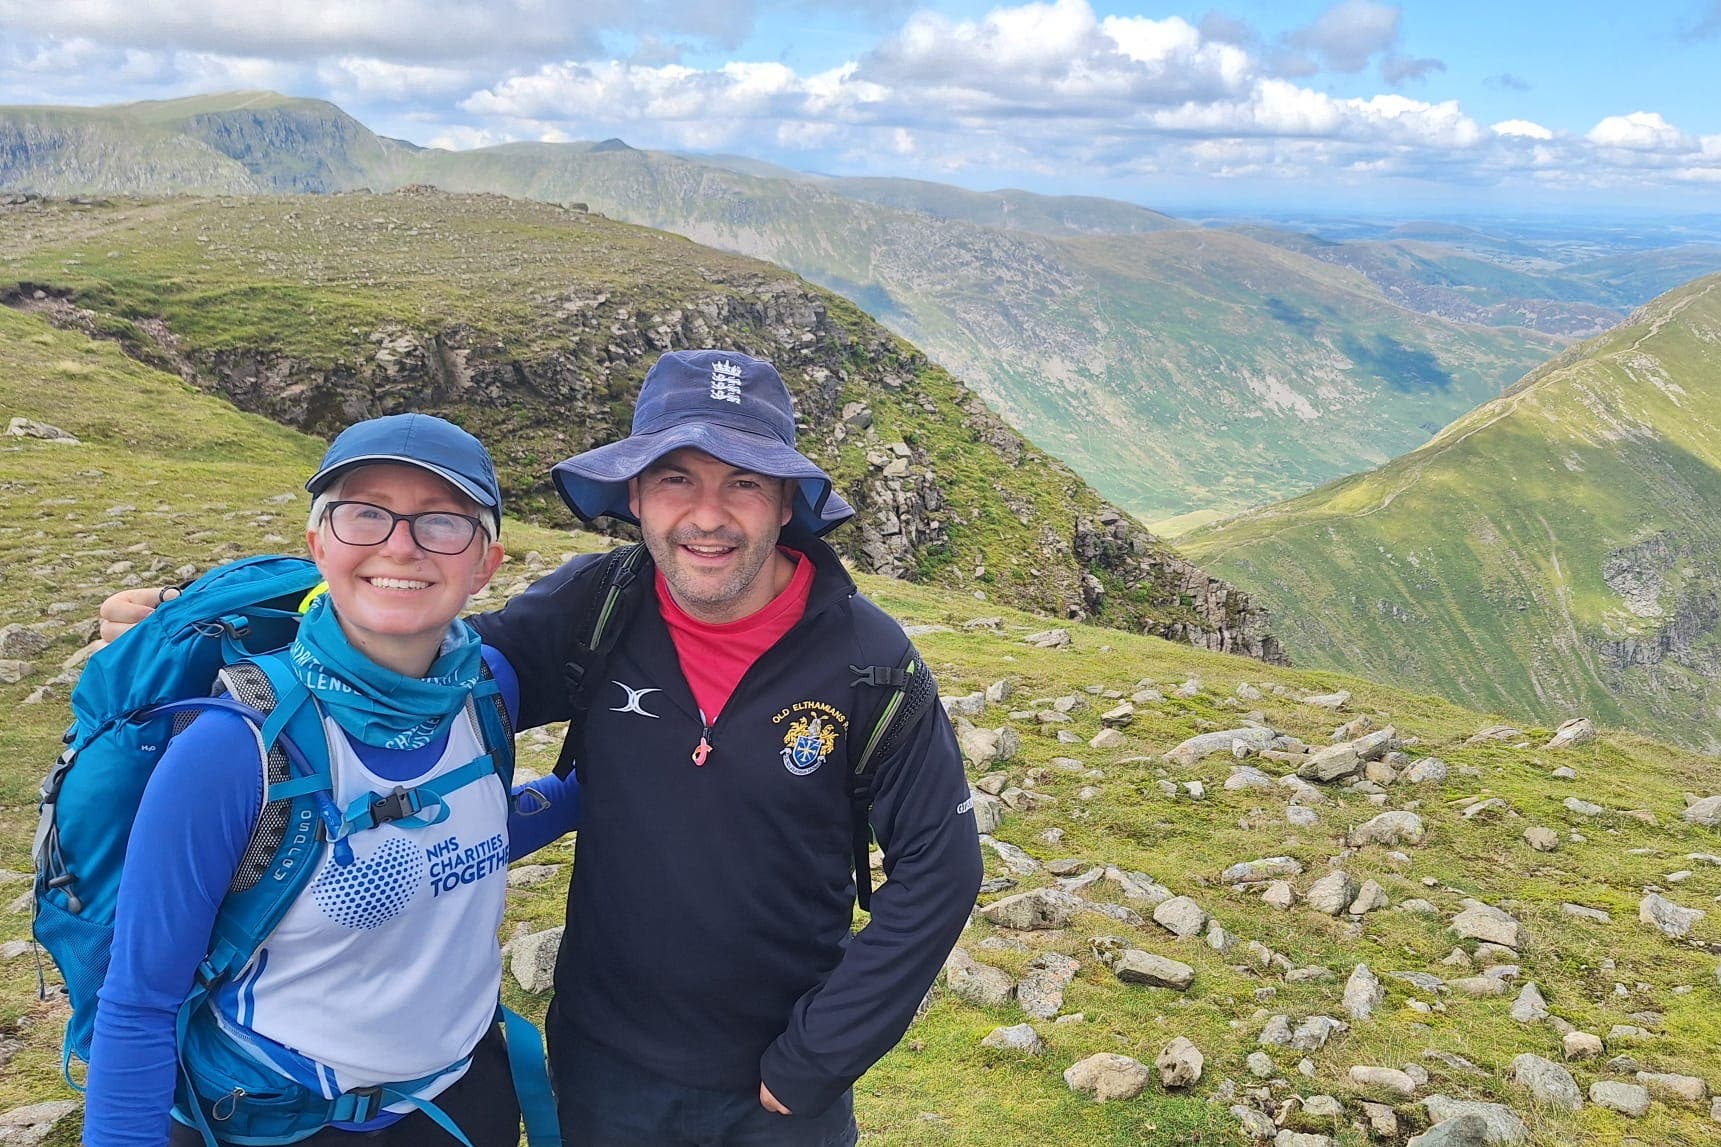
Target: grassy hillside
[168, 477]
[534, 325]
[1552, 553]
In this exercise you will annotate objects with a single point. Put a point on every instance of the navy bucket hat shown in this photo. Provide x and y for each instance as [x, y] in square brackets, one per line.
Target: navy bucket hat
[733, 407]
[421, 440]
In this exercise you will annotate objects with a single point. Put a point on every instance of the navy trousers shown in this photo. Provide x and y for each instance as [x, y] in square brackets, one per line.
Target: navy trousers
[605, 1101]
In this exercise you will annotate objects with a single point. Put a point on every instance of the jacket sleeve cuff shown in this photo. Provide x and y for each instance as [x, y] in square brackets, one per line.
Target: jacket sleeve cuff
[804, 1091]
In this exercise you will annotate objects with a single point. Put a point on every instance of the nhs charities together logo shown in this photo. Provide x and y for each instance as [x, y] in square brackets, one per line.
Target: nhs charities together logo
[725, 381]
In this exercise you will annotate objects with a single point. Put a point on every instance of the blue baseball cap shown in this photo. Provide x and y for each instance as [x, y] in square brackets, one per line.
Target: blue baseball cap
[733, 407]
[421, 440]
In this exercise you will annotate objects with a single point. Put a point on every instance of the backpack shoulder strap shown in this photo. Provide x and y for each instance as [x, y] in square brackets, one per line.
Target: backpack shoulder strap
[911, 693]
[618, 586]
[297, 798]
[495, 730]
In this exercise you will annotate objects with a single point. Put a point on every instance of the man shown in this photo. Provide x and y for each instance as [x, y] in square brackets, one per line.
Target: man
[708, 990]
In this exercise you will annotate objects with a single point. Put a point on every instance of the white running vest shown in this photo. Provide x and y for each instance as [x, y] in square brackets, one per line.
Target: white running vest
[387, 969]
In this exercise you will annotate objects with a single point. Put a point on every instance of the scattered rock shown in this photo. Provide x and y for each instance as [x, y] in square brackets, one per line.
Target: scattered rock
[1670, 918]
[532, 959]
[1137, 967]
[1180, 916]
[1016, 860]
[1019, 1037]
[1041, 992]
[1041, 909]
[1626, 1098]
[1331, 764]
[1180, 1064]
[1530, 1007]
[1256, 1125]
[1706, 813]
[1386, 1078]
[1107, 739]
[1262, 871]
[1049, 639]
[1138, 885]
[35, 1122]
[1276, 1033]
[977, 983]
[1580, 1045]
[1583, 808]
[1280, 894]
[1332, 893]
[1577, 731]
[1478, 986]
[1582, 912]
[20, 643]
[1313, 1033]
[27, 428]
[1479, 921]
[1547, 1082]
[1500, 1124]
[1303, 1139]
[1674, 1088]
[1467, 1130]
[532, 875]
[1107, 1076]
[1542, 839]
[1382, 1120]
[1368, 898]
[1429, 770]
[1329, 700]
[1388, 829]
[1363, 993]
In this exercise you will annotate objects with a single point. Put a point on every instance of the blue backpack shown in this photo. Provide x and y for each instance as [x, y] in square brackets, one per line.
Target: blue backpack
[230, 625]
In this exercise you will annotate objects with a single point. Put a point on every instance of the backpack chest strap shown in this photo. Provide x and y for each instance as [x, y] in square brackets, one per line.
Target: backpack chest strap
[405, 806]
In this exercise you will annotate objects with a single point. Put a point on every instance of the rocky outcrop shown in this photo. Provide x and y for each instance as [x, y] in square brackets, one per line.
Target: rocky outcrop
[1115, 549]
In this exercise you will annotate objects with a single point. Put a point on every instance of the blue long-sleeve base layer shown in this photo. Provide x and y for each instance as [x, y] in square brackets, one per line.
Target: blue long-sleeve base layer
[192, 826]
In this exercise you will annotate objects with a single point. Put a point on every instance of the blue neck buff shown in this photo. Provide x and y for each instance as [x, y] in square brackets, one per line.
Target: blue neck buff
[376, 705]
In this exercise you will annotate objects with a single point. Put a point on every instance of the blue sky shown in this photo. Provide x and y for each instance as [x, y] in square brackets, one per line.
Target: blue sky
[1355, 104]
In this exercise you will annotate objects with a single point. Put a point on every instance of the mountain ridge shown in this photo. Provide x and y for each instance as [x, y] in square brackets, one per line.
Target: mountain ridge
[1009, 264]
[1552, 552]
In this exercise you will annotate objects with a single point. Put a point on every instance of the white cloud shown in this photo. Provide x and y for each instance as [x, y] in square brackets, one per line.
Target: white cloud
[1522, 129]
[1639, 131]
[1349, 34]
[402, 31]
[461, 137]
[369, 79]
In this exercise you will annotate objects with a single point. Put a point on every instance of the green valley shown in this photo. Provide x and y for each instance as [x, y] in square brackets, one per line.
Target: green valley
[1552, 553]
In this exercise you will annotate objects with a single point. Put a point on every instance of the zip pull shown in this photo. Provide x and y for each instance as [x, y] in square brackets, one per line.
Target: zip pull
[704, 748]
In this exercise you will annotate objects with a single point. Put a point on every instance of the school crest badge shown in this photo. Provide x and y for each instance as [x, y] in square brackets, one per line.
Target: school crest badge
[807, 743]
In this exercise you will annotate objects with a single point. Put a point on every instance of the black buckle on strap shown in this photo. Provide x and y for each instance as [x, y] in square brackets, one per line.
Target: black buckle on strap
[398, 805]
[888, 675]
[368, 1104]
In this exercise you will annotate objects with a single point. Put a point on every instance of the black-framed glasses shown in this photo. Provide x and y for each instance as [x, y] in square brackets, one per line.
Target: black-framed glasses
[437, 531]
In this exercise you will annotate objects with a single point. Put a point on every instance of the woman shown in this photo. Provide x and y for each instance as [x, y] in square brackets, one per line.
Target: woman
[385, 969]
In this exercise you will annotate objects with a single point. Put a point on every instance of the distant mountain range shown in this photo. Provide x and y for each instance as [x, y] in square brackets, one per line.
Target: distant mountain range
[1183, 371]
[1555, 552]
